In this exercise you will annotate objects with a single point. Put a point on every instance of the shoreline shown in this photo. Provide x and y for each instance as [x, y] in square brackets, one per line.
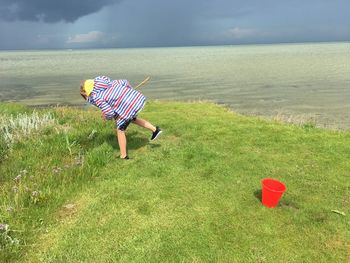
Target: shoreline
[287, 118]
[180, 46]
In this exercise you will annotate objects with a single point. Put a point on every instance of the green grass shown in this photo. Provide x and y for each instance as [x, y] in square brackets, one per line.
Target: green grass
[191, 196]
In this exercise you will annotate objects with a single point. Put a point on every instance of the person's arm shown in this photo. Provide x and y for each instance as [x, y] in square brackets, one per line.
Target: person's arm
[99, 100]
[106, 109]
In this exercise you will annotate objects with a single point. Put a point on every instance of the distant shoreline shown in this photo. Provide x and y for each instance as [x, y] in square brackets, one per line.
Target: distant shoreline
[296, 119]
[182, 46]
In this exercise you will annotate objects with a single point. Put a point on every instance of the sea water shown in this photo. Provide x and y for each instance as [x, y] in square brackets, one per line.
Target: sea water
[286, 80]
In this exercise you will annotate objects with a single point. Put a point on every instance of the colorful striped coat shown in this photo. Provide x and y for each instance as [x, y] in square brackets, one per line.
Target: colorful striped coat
[117, 99]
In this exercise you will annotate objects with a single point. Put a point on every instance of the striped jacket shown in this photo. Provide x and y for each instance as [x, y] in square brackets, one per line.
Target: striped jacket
[117, 99]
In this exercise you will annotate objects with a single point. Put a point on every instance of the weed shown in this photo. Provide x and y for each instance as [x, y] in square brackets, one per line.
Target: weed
[5, 237]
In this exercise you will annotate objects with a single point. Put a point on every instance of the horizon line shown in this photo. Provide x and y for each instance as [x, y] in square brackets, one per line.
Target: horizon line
[179, 46]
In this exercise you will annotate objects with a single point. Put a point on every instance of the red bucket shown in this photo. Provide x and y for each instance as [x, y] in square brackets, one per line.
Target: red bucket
[272, 190]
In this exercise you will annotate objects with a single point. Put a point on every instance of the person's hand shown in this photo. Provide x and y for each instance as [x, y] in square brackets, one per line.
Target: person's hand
[83, 95]
[103, 117]
[82, 91]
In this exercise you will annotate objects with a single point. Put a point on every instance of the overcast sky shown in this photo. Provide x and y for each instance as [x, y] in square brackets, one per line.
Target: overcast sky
[37, 24]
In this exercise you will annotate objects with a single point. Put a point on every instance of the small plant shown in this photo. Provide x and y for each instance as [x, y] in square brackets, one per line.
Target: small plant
[3, 147]
[69, 144]
[5, 236]
[92, 134]
[309, 125]
[35, 197]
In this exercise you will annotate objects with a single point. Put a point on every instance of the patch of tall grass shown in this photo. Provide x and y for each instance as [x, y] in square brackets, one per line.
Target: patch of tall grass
[19, 127]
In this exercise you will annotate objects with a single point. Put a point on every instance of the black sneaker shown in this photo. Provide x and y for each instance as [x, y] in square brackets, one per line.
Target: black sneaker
[125, 158]
[156, 134]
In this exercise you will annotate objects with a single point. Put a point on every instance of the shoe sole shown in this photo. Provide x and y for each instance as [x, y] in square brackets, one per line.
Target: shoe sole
[157, 135]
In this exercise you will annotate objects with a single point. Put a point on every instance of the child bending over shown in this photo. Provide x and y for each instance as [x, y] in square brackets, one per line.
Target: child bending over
[119, 101]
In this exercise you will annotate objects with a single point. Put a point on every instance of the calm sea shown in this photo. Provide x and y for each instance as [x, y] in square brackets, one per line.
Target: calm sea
[306, 81]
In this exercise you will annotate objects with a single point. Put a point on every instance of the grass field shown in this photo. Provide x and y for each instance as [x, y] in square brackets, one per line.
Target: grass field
[191, 196]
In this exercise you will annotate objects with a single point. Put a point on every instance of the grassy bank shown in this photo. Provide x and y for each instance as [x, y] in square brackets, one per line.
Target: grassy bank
[193, 195]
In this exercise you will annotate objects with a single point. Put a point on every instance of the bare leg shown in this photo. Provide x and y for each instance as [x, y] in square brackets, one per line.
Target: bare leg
[145, 124]
[122, 143]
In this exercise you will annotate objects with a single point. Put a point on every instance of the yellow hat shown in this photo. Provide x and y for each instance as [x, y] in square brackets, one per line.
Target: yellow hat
[89, 86]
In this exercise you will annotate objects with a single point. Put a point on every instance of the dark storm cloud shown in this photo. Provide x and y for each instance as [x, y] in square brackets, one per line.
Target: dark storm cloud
[50, 11]
[145, 23]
